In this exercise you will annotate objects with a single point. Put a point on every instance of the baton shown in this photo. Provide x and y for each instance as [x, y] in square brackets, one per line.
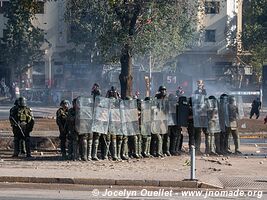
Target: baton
[18, 126]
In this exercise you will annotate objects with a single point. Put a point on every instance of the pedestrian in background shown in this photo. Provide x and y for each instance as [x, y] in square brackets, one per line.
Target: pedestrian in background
[255, 108]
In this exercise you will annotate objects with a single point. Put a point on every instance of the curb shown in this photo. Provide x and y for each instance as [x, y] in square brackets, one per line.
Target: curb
[88, 181]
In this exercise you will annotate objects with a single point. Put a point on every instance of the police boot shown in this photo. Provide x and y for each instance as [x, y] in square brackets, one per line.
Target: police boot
[119, 144]
[114, 149]
[89, 149]
[135, 147]
[148, 147]
[95, 148]
[75, 147]
[125, 148]
[22, 146]
[28, 147]
[83, 148]
[173, 143]
[63, 148]
[207, 143]
[212, 151]
[166, 145]
[140, 146]
[16, 147]
[106, 150]
[159, 146]
[217, 143]
[236, 142]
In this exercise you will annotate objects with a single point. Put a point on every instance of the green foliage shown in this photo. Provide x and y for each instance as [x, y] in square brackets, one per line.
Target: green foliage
[162, 28]
[23, 40]
[255, 32]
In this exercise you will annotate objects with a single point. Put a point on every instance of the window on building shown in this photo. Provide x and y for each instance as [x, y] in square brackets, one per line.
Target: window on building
[210, 36]
[3, 6]
[40, 7]
[212, 7]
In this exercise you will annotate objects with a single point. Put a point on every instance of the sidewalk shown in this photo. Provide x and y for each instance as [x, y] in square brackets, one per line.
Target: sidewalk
[211, 172]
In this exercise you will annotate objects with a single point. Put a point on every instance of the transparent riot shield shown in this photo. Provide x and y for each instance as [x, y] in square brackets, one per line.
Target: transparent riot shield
[101, 115]
[172, 115]
[182, 112]
[129, 117]
[240, 106]
[200, 111]
[224, 113]
[146, 118]
[159, 116]
[84, 115]
[115, 122]
[233, 112]
[213, 116]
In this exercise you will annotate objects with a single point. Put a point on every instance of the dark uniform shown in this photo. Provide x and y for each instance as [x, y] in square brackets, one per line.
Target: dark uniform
[22, 121]
[61, 119]
[255, 108]
[190, 125]
[72, 133]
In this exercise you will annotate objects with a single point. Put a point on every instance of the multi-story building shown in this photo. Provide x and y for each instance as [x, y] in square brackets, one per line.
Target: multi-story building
[213, 56]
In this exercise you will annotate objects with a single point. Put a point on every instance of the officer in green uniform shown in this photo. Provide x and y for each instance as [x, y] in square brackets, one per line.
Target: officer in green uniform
[95, 92]
[61, 119]
[22, 121]
[16, 132]
[232, 129]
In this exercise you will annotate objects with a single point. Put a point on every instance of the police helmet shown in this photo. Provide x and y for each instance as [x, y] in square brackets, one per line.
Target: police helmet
[113, 88]
[64, 102]
[161, 88]
[22, 102]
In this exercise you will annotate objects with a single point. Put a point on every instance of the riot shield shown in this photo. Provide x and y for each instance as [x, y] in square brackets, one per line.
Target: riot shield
[84, 115]
[172, 116]
[213, 116]
[115, 123]
[146, 118]
[233, 112]
[129, 117]
[200, 111]
[159, 116]
[101, 115]
[240, 105]
[182, 112]
[224, 113]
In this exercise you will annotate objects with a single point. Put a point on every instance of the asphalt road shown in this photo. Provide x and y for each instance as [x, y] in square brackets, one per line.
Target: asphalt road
[54, 191]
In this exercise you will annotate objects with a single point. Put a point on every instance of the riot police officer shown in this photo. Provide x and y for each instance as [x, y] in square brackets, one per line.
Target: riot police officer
[16, 132]
[95, 92]
[22, 121]
[160, 140]
[113, 93]
[200, 88]
[72, 133]
[233, 116]
[61, 120]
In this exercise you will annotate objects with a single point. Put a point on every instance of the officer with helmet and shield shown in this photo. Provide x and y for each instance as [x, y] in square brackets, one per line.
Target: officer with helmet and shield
[22, 120]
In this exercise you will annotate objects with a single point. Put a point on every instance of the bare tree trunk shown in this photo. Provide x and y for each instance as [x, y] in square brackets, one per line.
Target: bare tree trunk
[126, 79]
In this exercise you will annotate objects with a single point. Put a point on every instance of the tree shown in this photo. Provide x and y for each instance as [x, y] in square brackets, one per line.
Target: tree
[22, 41]
[123, 29]
[255, 32]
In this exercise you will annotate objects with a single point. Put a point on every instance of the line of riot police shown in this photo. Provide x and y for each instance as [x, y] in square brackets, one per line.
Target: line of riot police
[135, 128]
